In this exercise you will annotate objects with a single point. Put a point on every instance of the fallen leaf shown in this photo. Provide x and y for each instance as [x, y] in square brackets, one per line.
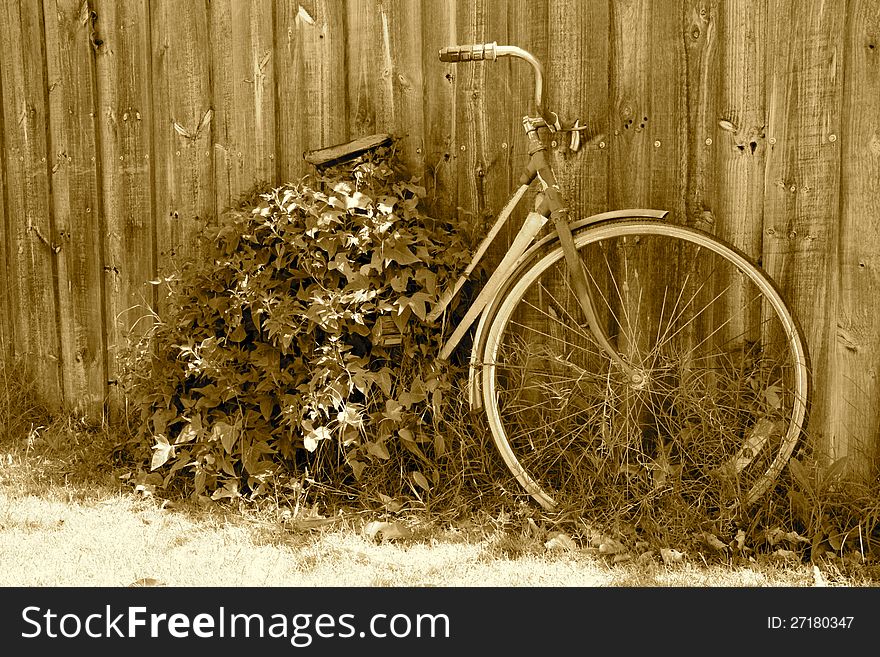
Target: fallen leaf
[377, 530]
[671, 556]
[561, 542]
[146, 581]
[786, 554]
[713, 541]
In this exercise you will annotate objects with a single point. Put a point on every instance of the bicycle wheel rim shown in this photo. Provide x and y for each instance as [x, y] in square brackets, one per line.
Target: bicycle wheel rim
[784, 436]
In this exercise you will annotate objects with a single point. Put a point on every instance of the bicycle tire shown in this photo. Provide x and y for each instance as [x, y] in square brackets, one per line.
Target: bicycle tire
[727, 381]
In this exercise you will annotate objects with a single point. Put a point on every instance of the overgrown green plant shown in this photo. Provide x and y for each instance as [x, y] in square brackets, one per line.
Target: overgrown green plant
[266, 363]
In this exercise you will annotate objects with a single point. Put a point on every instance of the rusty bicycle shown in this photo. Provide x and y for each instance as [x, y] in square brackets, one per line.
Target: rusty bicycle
[625, 338]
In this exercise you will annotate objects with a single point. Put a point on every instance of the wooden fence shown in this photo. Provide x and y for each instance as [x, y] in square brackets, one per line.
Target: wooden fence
[128, 124]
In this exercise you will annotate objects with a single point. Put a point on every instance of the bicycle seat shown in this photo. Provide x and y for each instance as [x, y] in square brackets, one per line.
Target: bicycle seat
[330, 155]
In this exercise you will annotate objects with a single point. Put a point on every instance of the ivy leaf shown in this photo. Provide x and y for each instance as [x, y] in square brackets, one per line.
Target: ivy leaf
[417, 302]
[358, 200]
[314, 436]
[226, 434]
[383, 377]
[162, 451]
[378, 449]
[394, 411]
[386, 204]
[350, 416]
[266, 406]
[399, 254]
[187, 434]
[229, 491]
[161, 418]
[357, 467]
[421, 480]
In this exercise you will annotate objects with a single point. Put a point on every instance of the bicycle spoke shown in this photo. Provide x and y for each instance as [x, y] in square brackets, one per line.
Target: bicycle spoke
[709, 418]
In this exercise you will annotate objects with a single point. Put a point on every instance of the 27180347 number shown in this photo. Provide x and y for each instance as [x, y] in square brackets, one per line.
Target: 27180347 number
[810, 622]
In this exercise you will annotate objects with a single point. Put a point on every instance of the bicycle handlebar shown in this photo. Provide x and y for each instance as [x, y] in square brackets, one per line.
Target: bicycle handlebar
[492, 51]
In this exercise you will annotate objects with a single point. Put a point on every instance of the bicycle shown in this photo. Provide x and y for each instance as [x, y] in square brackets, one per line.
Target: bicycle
[623, 339]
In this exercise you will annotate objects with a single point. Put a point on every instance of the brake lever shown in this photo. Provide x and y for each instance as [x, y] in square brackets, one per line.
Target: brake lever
[575, 130]
[575, 138]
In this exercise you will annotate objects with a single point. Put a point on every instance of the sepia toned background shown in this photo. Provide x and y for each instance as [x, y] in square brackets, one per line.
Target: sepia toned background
[128, 125]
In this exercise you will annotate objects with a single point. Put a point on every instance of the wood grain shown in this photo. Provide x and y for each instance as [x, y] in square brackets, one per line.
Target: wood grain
[802, 178]
[32, 242]
[183, 129]
[485, 123]
[126, 158]
[577, 64]
[439, 109]
[243, 94]
[385, 74]
[854, 417]
[71, 47]
[311, 96]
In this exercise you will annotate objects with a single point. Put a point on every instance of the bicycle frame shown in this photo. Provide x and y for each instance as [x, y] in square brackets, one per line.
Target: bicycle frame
[548, 411]
[549, 206]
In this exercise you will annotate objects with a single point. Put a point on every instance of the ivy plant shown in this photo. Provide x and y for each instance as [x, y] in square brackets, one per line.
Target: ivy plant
[268, 358]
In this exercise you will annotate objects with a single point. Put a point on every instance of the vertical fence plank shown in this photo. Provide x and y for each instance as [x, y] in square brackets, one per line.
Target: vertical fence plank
[648, 149]
[529, 26]
[484, 118]
[183, 128]
[802, 181]
[243, 73]
[7, 334]
[855, 420]
[311, 81]
[739, 140]
[440, 129]
[32, 241]
[71, 44]
[385, 92]
[578, 85]
[647, 79]
[124, 133]
[703, 39]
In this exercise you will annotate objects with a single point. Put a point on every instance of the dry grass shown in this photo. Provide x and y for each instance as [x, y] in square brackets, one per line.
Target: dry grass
[71, 514]
[64, 523]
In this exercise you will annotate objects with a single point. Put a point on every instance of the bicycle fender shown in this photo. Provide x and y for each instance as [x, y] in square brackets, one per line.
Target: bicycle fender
[474, 388]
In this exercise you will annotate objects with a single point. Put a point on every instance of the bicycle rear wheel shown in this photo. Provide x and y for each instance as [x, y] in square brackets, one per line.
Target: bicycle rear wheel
[722, 401]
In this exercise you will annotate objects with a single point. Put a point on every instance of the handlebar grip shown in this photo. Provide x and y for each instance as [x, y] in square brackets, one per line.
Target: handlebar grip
[469, 53]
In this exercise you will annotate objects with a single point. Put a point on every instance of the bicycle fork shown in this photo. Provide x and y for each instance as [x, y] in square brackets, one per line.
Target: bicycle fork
[553, 208]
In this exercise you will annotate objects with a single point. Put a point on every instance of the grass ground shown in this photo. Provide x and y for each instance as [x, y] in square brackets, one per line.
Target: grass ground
[66, 522]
